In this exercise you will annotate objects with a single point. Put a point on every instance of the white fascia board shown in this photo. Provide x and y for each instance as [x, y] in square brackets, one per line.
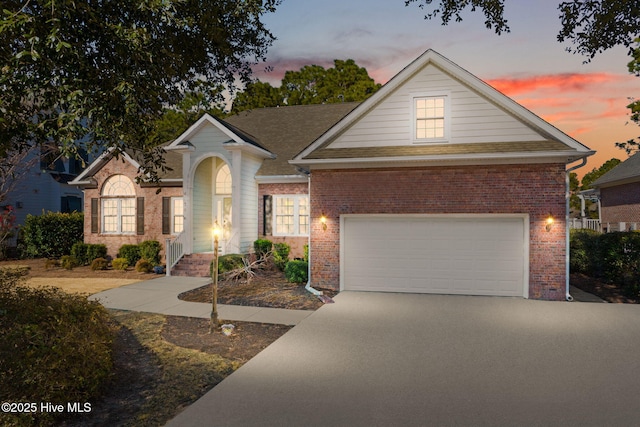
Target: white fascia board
[98, 163]
[281, 179]
[484, 158]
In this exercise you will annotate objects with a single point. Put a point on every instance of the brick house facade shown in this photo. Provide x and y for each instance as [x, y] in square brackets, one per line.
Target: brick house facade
[619, 193]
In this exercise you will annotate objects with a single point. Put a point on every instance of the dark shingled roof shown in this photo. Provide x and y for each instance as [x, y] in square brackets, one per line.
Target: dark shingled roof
[286, 131]
[628, 169]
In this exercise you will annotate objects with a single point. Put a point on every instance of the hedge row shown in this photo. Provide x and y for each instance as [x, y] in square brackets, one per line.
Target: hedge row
[614, 257]
[52, 234]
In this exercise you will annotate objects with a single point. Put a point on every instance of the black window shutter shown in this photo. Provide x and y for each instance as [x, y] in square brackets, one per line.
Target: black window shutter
[267, 215]
[166, 215]
[140, 215]
[95, 220]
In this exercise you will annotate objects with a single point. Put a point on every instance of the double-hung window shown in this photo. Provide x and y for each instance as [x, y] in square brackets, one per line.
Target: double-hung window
[118, 206]
[431, 118]
[177, 215]
[291, 215]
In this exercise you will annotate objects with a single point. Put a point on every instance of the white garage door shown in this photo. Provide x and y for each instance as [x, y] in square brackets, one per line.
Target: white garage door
[470, 255]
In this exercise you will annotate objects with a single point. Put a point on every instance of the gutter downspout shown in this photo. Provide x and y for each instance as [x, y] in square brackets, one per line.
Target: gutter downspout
[566, 222]
[308, 285]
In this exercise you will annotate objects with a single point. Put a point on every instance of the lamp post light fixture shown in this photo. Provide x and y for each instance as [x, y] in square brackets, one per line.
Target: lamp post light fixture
[213, 325]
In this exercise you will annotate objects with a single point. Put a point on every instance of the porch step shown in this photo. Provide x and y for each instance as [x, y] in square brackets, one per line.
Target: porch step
[194, 265]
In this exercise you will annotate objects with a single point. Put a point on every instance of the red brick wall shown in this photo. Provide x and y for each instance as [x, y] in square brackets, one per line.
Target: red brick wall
[620, 204]
[296, 243]
[537, 190]
[152, 209]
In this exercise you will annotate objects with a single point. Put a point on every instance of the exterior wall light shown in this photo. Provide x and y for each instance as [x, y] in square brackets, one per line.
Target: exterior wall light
[323, 221]
[549, 222]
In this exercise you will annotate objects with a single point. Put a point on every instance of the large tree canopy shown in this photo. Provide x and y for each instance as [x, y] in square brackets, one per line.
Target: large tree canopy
[101, 72]
[312, 84]
[591, 26]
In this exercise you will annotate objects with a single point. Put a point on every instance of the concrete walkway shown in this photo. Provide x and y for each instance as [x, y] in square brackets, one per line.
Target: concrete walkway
[161, 296]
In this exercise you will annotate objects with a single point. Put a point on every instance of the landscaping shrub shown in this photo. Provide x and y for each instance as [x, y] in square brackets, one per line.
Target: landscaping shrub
[614, 257]
[68, 262]
[85, 253]
[150, 250]
[306, 253]
[51, 263]
[54, 347]
[99, 264]
[120, 264]
[144, 266]
[583, 245]
[281, 255]
[52, 234]
[262, 247]
[130, 252]
[228, 262]
[296, 271]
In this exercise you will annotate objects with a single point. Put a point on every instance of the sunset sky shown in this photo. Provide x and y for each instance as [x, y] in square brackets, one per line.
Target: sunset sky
[586, 101]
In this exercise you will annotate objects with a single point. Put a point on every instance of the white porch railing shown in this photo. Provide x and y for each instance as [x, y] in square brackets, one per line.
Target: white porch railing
[174, 250]
[586, 223]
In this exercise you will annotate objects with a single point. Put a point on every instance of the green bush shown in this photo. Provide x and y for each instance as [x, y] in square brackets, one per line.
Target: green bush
[85, 253]
[54, 347]
[583, 246]
[52, 234]
[306, 253]
[281, 255]
[150, 250]
[99, 264]
[614, 257]
[130, 252]
[68, 262]
[296, 271]
[228, 262]
[262, 247]
[120, 264]
[144, 266]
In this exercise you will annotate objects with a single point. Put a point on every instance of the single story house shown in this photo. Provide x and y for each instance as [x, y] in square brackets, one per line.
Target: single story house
[438, 183]
[619, 196]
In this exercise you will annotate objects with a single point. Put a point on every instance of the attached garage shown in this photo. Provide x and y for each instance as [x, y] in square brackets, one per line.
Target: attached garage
[442, 254]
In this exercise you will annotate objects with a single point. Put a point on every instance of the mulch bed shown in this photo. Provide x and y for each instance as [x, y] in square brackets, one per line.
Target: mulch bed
[607, 291]
[269, 288]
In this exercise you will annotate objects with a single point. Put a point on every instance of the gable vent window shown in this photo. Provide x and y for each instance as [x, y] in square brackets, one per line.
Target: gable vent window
[430, 118]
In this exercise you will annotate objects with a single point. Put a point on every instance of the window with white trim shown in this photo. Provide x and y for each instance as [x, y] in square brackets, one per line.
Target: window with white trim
[177, 215]
[118, 206]
[291, 215]
[430, 118]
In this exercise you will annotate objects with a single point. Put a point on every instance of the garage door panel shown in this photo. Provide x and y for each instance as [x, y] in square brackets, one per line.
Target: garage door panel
[453, 255]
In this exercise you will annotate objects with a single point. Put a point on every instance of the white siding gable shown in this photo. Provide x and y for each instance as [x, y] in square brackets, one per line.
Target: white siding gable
[473, 119]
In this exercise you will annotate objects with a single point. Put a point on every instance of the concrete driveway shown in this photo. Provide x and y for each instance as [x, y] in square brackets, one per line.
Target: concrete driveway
[374, 359]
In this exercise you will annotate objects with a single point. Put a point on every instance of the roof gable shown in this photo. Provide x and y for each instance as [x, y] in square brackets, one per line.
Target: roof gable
[480, 116]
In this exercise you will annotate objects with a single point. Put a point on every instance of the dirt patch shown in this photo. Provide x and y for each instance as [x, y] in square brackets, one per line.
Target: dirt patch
[607, 291]
[269, 288]
[79, 280]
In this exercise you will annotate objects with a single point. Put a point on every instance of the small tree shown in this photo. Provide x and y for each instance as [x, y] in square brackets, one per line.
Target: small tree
[7, 228]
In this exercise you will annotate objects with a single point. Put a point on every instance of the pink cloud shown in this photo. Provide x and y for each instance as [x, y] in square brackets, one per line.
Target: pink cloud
[564, 82]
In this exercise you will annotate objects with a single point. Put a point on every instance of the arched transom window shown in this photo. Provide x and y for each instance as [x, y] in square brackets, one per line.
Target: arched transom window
[118, 205]
[223, 180]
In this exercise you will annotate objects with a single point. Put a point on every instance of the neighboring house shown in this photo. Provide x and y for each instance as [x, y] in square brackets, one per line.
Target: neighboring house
[43, 186]
[619, 194]
[438, 183]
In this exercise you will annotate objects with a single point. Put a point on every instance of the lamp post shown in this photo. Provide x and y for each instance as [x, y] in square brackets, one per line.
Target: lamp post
[214, 276]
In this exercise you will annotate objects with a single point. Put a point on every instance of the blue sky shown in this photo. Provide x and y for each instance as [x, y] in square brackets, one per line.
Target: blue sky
[586, 101]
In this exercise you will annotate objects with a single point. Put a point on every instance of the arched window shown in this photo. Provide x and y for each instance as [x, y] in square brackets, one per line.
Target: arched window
[223, 180]
[118, 205]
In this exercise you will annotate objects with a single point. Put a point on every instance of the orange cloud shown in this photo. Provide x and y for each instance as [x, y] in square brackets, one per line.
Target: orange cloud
[565, 82]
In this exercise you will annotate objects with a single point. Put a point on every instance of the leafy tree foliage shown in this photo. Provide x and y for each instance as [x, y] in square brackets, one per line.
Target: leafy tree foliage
[100, 73]
[592, 26]
[312, 84]
[590, 177]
